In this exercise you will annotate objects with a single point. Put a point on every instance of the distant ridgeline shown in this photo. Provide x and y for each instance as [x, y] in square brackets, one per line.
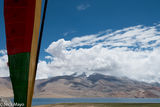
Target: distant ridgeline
[95, 85]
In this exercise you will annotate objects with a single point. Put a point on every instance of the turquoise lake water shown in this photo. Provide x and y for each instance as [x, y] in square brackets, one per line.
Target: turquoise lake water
[44, 101]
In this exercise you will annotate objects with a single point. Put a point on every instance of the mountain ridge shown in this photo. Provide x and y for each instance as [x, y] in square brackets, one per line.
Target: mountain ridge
[94, 85]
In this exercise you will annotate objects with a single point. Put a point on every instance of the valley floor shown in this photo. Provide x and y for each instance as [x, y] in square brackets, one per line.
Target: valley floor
[102, 105]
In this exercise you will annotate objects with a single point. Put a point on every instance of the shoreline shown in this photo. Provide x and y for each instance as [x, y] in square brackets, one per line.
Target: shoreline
[102, 105]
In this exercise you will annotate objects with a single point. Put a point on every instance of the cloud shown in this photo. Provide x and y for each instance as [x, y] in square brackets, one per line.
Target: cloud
[4, 71]
[68, 33]
[83, 7]
[131, 52]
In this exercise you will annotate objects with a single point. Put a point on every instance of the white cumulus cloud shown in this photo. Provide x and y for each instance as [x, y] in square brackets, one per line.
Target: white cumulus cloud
[131, 52]
[4, 71]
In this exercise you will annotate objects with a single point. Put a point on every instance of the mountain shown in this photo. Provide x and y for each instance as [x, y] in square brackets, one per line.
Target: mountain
[5, 87]
[95, 85]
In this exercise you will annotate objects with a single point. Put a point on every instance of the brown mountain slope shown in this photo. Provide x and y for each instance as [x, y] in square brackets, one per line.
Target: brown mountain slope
[96, 85]
[5, 87]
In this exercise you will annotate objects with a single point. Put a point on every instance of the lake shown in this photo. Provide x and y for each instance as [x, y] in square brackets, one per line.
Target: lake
[44, 101]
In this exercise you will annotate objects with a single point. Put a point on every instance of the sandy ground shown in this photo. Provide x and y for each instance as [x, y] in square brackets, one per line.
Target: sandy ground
[100, 105]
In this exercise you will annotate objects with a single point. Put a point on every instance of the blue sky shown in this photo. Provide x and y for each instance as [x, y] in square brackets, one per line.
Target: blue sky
[63, 17]
[79, 34]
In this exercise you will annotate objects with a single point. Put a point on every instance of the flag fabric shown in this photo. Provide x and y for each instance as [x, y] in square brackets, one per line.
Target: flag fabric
[22, 23]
